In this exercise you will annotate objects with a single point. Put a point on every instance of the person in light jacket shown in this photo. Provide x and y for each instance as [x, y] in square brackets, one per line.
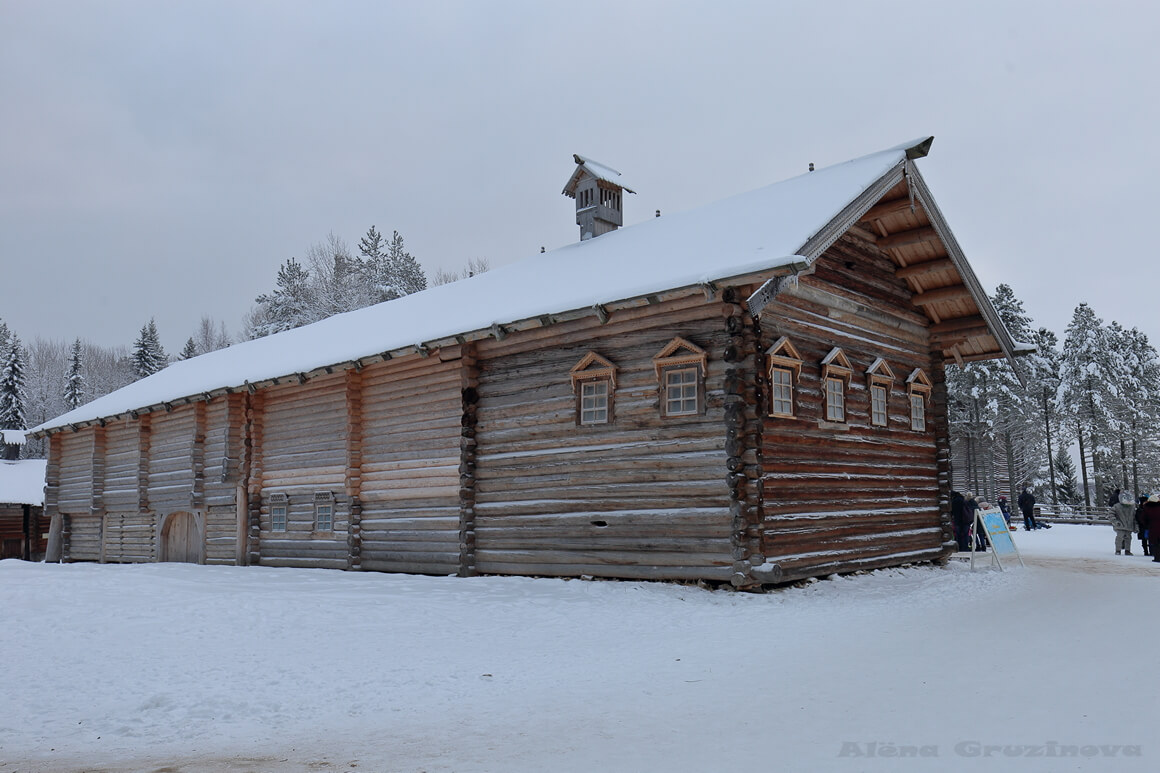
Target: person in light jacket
[1123, 520]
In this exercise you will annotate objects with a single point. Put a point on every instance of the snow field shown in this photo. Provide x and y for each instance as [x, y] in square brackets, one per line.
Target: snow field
[194, 668]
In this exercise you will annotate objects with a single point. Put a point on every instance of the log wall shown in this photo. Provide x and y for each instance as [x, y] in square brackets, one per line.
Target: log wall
[844, 496]
[411, 415]
[21, 534]
[304, 428]
[642, 496]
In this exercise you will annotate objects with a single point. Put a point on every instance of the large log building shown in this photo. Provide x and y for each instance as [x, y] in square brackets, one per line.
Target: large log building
[747, 393]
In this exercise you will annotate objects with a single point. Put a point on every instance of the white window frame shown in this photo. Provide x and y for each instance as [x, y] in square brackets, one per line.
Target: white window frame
[595, 402]
[279, 501]
[688, 378]
[835, 399]
[879, 400]
[324, 512]
[918, 411]
[781, 392]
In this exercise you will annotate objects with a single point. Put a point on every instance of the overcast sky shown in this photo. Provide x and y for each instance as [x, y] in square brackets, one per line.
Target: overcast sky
[162, 159]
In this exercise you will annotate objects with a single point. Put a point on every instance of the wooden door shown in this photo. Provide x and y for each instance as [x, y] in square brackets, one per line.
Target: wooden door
[181, 539]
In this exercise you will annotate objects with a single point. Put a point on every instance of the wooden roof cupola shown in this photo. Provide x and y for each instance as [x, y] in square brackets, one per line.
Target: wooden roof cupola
[598, 191]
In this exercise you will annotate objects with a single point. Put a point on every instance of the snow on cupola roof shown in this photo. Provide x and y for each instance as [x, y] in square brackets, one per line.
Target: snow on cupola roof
[595, 169]
[782, 227]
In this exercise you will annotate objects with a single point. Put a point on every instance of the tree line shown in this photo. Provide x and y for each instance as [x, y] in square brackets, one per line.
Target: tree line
[44, 378]
[1095, 399]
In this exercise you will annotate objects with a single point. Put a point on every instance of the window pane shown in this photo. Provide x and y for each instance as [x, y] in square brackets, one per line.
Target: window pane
[594, 402]
[782, 392]
[835, 399]
[917, 413]
[681, 392]
[323, 518]
[878, 405]
[278, 518]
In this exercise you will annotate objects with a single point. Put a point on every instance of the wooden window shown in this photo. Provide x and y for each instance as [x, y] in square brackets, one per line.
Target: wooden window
[682, 392]
[593, 383]
[324, 511]
[279, 505]
[594, 401]
[918, 412]
[680, 368]
[836, 373]
[835, 399]
[919, 386]
[781, 380]
[878, 405]
[879, 379]
[785, 367]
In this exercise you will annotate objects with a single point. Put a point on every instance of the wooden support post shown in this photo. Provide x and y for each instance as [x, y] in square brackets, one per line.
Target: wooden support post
[469, 385]
[744, 396]
[353, 478]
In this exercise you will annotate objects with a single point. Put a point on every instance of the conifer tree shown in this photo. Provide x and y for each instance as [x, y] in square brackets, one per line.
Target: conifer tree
[12, 396]
[1067, 488]
[189, 351]
[1086, 394]
[148, 357]
[74, 388]
[406, 273]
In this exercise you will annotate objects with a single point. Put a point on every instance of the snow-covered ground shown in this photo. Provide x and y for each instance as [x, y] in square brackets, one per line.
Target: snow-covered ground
[186, 668]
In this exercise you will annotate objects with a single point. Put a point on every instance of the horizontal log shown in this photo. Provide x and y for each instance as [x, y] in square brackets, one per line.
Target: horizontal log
[885, 209]
[926, 268]
[918, 235]
[639, 572]
[941, 295]
[445, 565]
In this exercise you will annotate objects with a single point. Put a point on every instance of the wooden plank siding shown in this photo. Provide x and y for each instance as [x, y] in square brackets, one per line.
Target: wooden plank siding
[843, 496]
[642, 496]
[412, 411]
[304, 454]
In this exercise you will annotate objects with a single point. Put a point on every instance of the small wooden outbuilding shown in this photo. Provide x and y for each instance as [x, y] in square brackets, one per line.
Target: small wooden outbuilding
[747, 393]
[22, 529]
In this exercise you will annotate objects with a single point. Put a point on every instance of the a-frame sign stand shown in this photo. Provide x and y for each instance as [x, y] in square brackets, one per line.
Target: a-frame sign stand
[994, 525]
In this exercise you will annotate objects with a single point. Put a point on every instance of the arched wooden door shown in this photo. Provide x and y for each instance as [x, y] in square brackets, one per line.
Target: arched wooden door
[181, 539]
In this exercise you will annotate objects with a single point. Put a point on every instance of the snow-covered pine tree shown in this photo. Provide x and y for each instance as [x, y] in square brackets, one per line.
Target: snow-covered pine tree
[376, 265]
[12, 397]
[1085, 392]
[288, 306]
[74, 387]
[189, 351]
[406, 274]
[148, 357]
[1067, 489]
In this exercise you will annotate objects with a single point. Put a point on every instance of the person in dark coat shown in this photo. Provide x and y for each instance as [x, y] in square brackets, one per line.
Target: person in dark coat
[1006, 510]
[971, 505]
[1027, 506]
[959, 520]
[1151, 518]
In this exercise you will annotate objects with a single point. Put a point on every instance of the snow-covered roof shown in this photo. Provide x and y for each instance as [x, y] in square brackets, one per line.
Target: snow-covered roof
[12, 437]
[743, 235]
[596, 169]
[22, 482]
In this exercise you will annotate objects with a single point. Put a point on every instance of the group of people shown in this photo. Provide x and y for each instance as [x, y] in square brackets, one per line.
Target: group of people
[1140, 518]
[963, 507]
